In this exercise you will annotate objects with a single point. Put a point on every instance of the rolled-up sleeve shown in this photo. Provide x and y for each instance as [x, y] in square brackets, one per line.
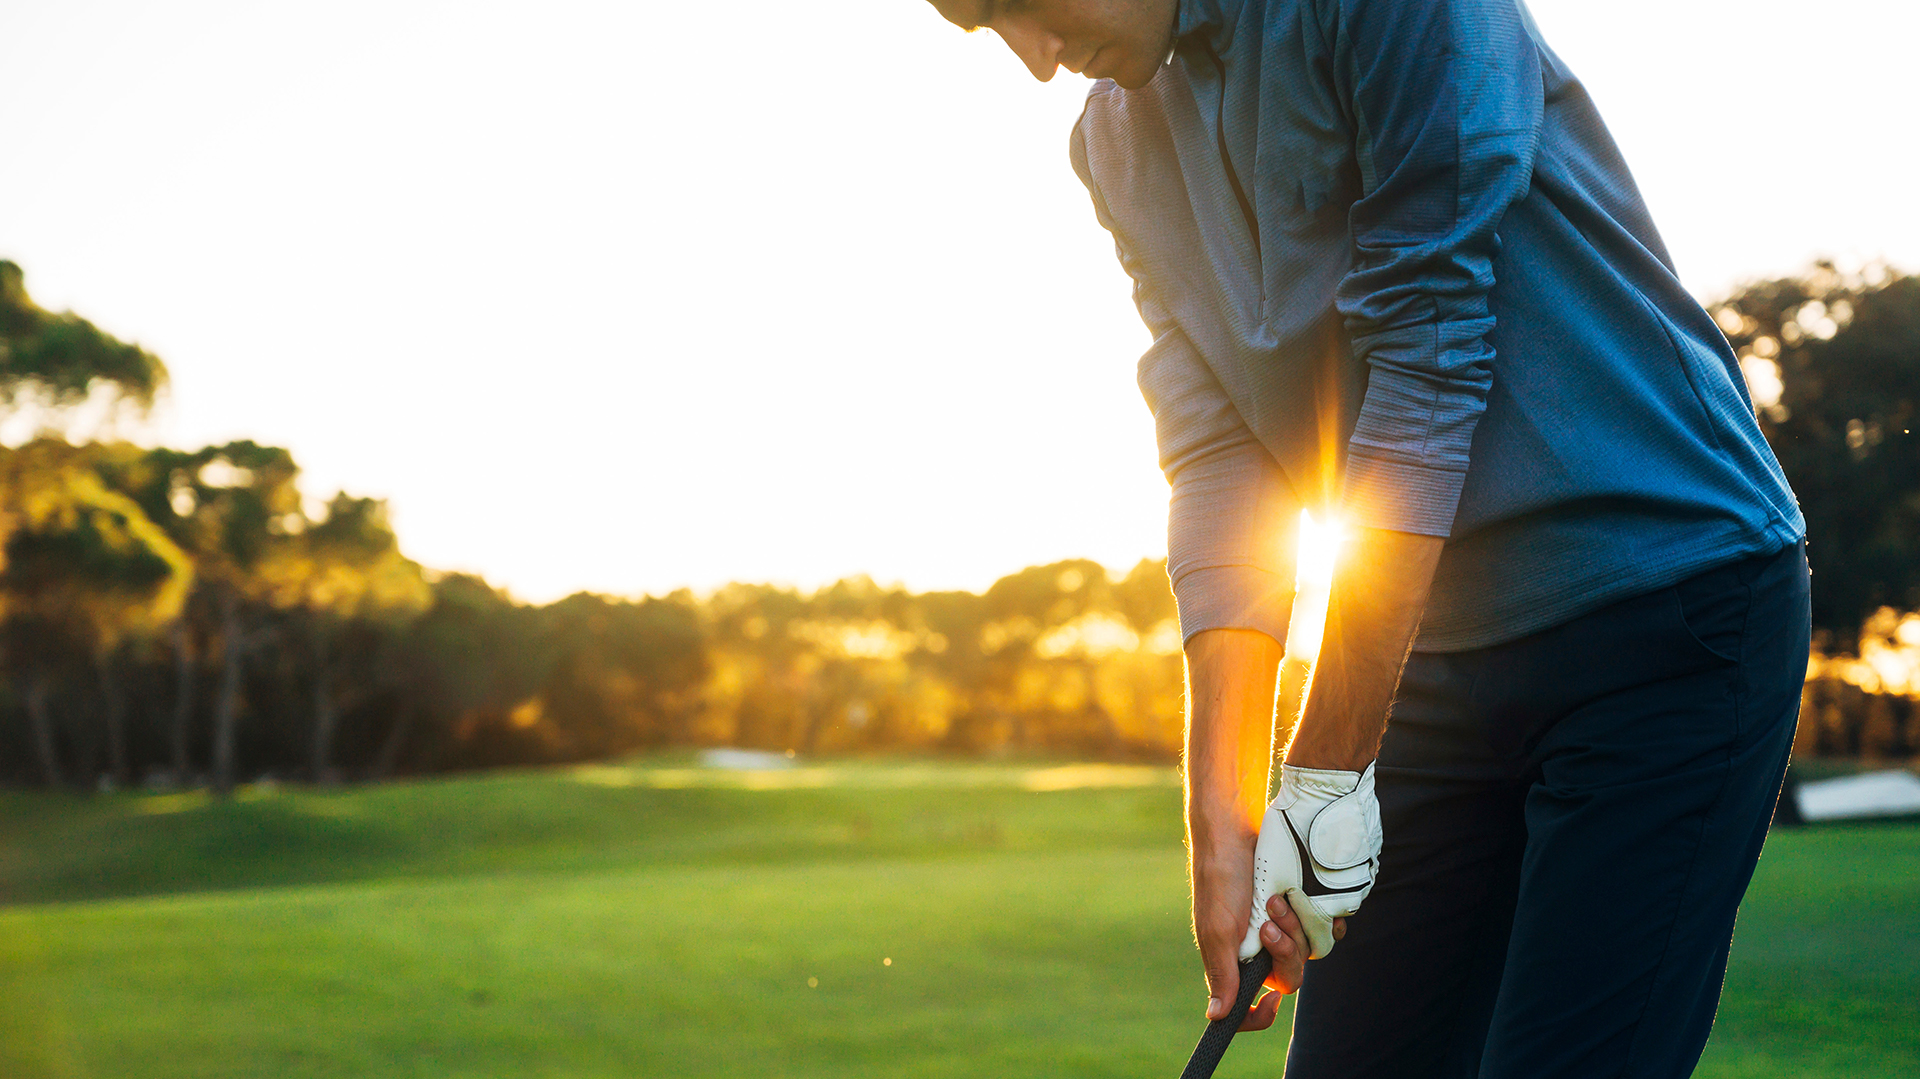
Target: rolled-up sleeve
[1231, 513]
[1446, 102]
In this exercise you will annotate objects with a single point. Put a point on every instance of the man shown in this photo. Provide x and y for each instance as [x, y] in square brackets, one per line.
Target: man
[1395, 268]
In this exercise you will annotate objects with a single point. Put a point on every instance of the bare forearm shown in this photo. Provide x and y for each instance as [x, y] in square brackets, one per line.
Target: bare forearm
[1230, 681]
[1379, 592]
[1230, 699]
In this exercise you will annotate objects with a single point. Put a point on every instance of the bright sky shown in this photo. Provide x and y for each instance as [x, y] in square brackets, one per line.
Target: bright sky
[632, 296]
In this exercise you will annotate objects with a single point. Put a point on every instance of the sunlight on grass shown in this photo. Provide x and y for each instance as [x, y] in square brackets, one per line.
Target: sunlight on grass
[163, 804]
[880, 776]
[1099, 777]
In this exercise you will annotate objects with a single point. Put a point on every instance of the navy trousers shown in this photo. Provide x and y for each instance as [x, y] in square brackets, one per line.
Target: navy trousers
[1571, 820]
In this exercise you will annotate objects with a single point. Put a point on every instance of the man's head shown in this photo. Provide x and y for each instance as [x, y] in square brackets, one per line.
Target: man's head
[1122, 40]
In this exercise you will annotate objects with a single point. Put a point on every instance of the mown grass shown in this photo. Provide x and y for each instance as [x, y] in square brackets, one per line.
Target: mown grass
[656, 920]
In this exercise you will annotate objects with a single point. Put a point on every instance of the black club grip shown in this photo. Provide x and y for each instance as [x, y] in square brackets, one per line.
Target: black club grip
[1219, 1033]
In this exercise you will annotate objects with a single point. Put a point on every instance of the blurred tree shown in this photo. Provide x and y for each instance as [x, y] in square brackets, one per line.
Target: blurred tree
[60, 358]
[1833, 362]
[183, 643]
[82, 568]
[465, 664]
[340, 573]
[762, 662]
[1147, 687]
[622, 671]
[233, 509]
[54, 362]
[855, 634]
[1144, 597]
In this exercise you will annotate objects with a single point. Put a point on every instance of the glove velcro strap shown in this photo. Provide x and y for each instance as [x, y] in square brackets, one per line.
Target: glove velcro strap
[1319, 784]
[1339, 837]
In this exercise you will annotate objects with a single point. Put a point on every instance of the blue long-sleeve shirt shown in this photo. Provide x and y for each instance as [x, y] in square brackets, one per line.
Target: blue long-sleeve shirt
[1392, 261]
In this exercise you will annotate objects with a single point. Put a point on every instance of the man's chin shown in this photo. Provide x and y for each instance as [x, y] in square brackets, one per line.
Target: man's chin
[1134, 76]
[1129, 73]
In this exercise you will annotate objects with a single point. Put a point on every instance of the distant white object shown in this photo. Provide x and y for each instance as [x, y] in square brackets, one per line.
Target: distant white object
[745, 760]
[1876, 794]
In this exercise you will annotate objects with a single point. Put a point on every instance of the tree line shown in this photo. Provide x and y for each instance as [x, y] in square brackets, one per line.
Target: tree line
[179, 616]
[176, 617]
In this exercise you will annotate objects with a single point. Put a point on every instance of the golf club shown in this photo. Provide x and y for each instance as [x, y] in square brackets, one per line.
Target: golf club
[1219, 1033]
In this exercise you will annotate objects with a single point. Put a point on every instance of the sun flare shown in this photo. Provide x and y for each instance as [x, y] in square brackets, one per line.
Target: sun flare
[1316, 556]
[1319, 548]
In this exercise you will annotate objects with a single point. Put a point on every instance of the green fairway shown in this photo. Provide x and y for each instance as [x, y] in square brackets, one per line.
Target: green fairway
[661, 920]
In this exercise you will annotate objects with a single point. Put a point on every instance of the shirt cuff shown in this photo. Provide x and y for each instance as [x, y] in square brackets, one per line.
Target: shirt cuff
[1234, 597]
[1399, 496]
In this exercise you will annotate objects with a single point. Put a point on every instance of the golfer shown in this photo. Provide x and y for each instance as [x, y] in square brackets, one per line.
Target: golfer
[1396, 271]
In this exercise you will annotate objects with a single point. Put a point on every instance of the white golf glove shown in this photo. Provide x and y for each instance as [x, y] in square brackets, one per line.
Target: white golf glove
[1320, 848]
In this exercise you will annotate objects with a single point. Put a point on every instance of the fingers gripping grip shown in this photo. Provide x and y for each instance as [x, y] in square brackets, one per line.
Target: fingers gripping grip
[1219, 1033]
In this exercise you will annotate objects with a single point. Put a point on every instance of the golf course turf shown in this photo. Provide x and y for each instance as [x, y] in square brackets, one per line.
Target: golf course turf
[658, 919]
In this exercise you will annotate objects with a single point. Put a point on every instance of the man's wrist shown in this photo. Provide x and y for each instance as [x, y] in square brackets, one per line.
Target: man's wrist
[1333, 761]
[1220, 830]
[1219, 833]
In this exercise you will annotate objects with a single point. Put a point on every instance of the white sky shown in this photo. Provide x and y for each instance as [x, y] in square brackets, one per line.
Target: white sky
[632, 296]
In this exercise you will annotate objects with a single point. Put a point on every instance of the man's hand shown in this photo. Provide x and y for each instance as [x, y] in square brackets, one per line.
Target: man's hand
[1223, 897]
[1229, 748]
[1319, 849]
